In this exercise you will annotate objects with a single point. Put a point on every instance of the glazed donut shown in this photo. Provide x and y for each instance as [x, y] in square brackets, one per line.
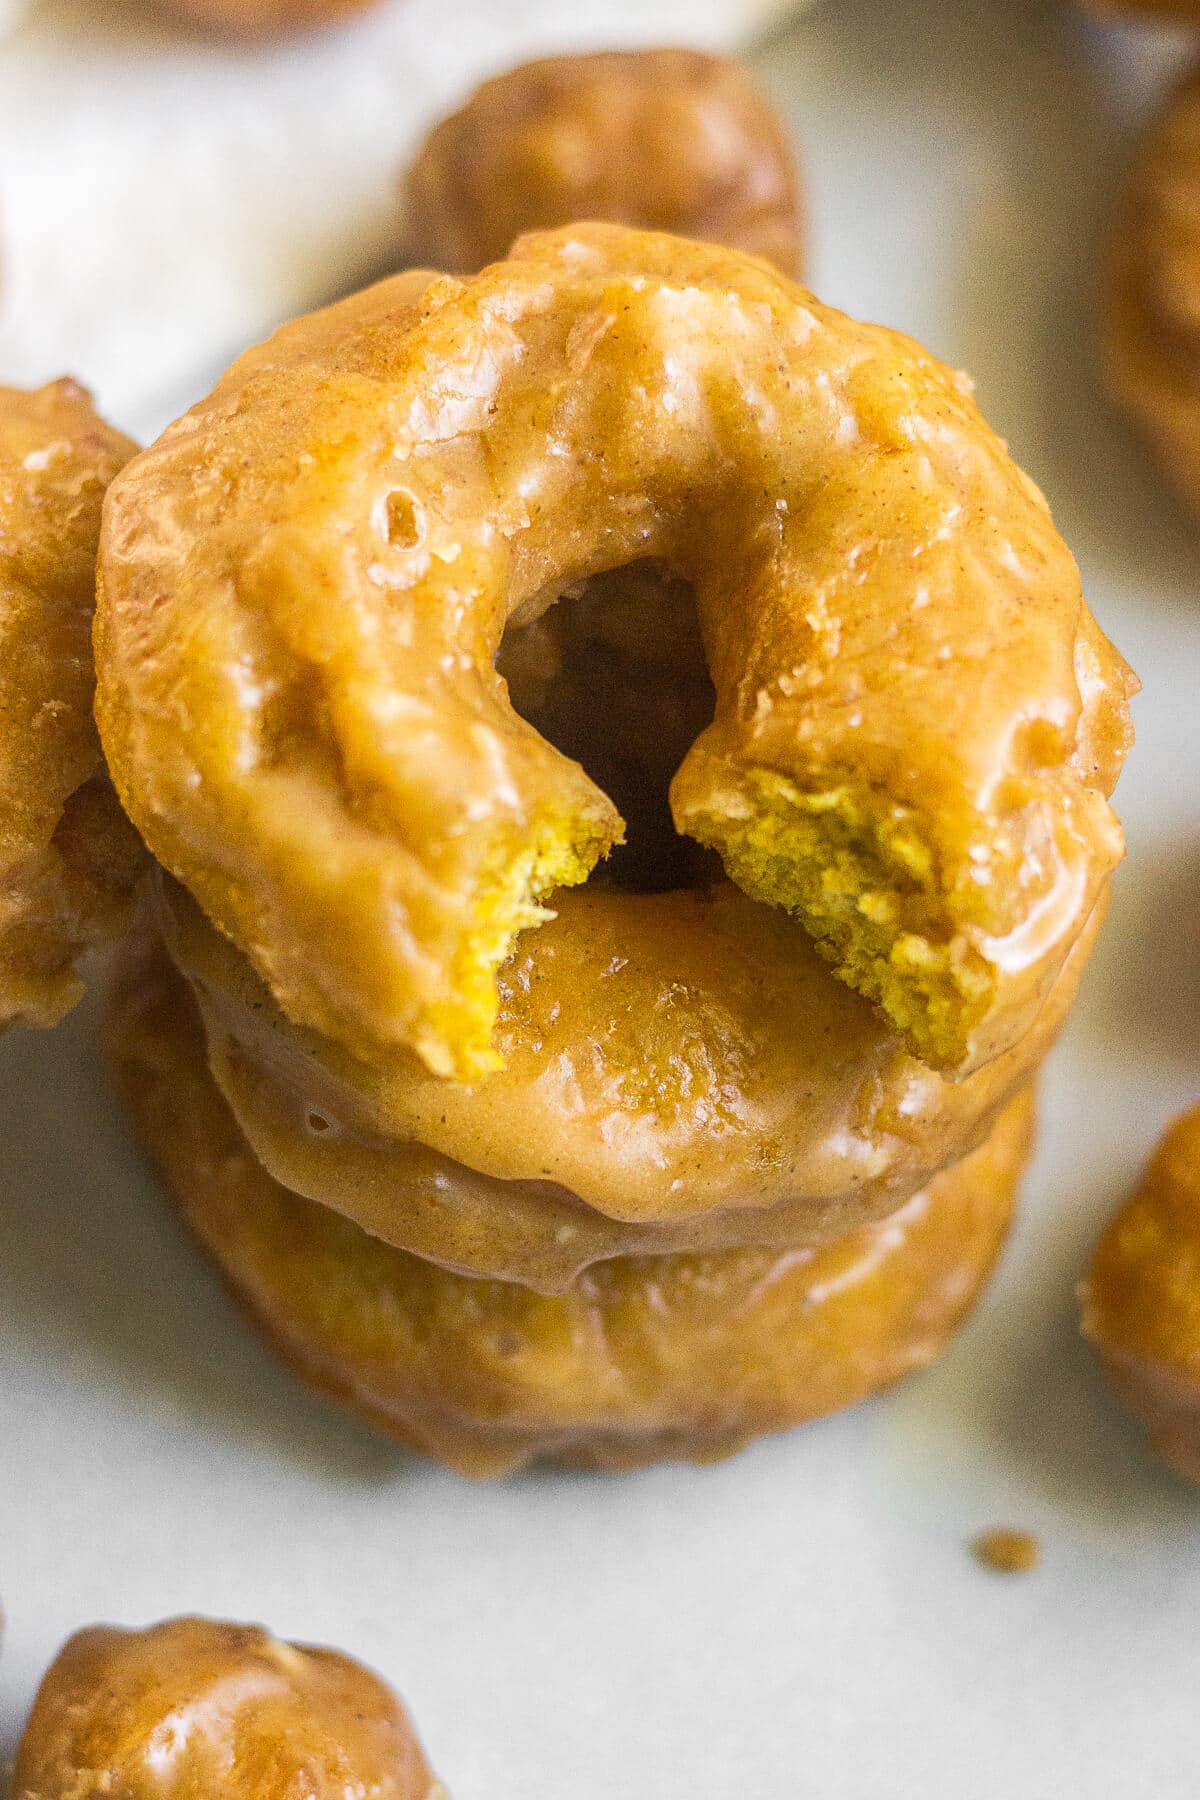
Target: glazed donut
[1150, 294]
[198, 1707]
[265, 18]
[669, 140]
[68, 856]
[681, 1072]
[304, 583]
[1141, 1299]
[645, 1358]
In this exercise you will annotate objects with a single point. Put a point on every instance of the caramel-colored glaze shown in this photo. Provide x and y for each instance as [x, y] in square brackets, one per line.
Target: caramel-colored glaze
[682, 1072]
[304, 584]
[669, 140]
[1141, 1299]
[265, 18]
[1150, 292]
[645, 1358]
[68, 856]
[195, 1708]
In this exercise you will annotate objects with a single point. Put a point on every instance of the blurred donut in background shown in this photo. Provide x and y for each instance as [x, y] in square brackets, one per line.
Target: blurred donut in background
[1153, 9]
[264, 18]
[1150, 293]
[669, 140]
[198, 1706]
[1141, 1298]
[69, 858]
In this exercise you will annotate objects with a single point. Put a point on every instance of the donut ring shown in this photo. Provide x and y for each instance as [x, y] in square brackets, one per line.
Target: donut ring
[665, 1098]
[261, 1719]
[646, 1358]
[917, 719]
[1150, 294]
[68, 856]
[668, 140]
[1141, 1299]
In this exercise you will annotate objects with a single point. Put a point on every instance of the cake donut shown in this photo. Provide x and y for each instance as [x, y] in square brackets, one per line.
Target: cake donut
[1141, 1298]
[669, 140]
[681, 1072]
[304, 583]
[644, 1358]
[201, 1707]
[1150, 293]
[68, 856]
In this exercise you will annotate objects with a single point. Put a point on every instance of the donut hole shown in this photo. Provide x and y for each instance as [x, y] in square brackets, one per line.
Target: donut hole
[614, 675]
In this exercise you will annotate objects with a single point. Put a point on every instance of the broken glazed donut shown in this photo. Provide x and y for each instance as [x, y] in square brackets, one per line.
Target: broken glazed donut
[681, 1072]
[644, 1358]
[305, 582]
[1150, 294]
[670, 140]
[199, 1707]
[68, 856]
[1141, 1299]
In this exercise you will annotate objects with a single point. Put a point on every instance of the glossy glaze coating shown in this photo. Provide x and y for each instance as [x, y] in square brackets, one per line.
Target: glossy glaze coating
[670, 140]
[305, 581]
[682, 1072]
[194, 1708]
[645, 1358]
[68, 855]
[265, 18]
[1141, 1299]
[1150, 292]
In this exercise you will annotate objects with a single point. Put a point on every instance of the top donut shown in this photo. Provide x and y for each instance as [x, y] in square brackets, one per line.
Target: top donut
[669, 140]
[305, 581]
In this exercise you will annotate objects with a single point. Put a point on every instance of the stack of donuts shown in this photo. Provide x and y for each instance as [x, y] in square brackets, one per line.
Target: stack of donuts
[626, 759]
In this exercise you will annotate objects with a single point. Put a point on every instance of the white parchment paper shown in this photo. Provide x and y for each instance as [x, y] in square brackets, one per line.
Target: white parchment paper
[166, 198]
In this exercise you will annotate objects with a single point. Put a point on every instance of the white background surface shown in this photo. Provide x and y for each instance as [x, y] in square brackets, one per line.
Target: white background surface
[165, 197]
[805, 1620]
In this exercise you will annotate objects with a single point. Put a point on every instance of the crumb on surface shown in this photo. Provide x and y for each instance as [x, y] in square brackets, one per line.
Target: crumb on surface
[1006, 1550]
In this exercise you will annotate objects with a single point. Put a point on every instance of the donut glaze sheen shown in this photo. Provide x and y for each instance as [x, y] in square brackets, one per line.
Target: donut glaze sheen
[68, 856]
[1141, 1299]
[681, 1072]
[646, 1358]
[667, 140]
[304, 584]
[195, 1707]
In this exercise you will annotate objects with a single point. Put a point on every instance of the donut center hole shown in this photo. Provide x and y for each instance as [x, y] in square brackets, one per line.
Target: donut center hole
[614, 676]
